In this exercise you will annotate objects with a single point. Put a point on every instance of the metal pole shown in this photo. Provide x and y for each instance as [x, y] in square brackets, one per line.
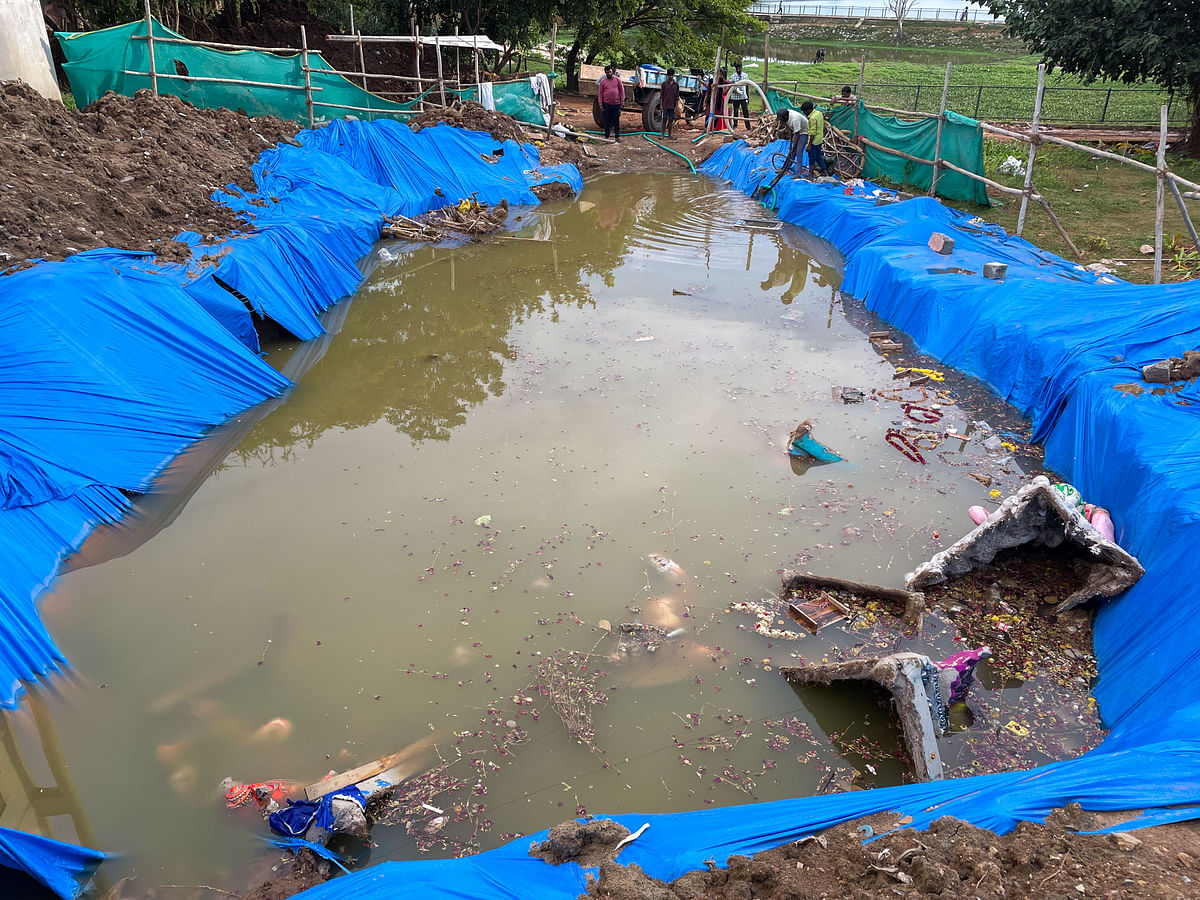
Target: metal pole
[308, 100]
[937, 143]
[1107, 97]
[150, 46]
[978, 99]
[712, 88]
[862, 70]
[1160, 194]
[457, 61]
[1033, 145]
[437, 45]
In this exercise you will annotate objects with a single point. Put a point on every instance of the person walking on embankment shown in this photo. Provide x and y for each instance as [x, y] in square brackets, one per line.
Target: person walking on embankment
[611, 93]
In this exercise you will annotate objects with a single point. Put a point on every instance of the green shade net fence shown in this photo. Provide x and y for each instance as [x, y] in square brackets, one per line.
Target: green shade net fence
[962, 145]
[101, 61]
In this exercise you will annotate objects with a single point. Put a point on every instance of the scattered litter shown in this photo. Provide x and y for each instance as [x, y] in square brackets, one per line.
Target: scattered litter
[848, 394]
[645, 337]
[675, 292]
[1146, 250]
[1011, 166]
[801, 443]
[483, 521]
[466, 219]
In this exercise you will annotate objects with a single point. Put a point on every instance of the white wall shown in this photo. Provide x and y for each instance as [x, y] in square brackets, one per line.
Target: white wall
[24, 49]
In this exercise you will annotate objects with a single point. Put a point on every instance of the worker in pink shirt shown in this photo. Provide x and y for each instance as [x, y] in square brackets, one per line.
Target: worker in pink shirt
[611, 94]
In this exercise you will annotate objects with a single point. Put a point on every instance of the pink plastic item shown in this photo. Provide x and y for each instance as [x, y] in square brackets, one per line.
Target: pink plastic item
[1103, 523]
[977, 514]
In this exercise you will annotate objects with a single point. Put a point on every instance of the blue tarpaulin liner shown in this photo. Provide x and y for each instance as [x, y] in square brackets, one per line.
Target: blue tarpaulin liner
[63, 868]
[1055, 340]
[112, 363]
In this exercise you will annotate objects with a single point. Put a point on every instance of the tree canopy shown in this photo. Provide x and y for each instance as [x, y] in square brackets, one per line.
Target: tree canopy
[1123, 40]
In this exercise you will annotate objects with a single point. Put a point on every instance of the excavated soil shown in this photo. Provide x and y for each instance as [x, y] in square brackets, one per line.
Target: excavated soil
[126, 172]
[950, 860]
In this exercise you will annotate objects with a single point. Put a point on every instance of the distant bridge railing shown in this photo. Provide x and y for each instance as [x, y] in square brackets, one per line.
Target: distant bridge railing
[837, 10]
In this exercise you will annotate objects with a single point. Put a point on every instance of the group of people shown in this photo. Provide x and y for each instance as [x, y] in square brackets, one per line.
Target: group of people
[805, 128]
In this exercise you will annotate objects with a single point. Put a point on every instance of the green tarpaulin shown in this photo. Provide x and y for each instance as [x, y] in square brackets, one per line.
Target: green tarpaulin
[962, 145]
[107, 60]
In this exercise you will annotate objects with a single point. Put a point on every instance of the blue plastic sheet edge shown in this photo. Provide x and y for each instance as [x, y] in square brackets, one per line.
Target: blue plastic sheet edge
[63, 868]
[181, 355]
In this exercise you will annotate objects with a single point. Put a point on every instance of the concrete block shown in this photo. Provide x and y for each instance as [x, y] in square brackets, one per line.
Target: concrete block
[941, 243]
[995, 271]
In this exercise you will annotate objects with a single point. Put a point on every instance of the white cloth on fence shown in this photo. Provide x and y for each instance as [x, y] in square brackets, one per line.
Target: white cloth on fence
[486, 99]
[541, 89]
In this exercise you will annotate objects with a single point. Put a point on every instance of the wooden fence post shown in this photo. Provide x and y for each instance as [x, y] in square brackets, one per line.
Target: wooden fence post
[308, 100]
[475, 41]
[150, 45]
[1160, 195]
[1033, 146]
[937, 144]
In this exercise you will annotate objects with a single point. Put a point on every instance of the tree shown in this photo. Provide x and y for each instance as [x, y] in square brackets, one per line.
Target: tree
[678, 31]
[899, 9]
[1122, 40]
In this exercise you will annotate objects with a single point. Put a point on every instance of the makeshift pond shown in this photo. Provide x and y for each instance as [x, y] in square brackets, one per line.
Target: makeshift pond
[531, 507]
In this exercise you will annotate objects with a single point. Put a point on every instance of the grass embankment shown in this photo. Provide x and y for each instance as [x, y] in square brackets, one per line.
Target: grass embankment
[954, 36]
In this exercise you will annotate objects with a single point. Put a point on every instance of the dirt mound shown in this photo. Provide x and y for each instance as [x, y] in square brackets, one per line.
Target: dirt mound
[588, 844]
[952, 859]
[473, 117]
[552, 150]
[127, 172]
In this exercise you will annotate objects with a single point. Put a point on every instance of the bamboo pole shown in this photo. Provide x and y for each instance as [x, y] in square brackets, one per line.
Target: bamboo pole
[475, 41]
[417, 60]
[1057, 224]
[1185, 183]
[712, 87]
[217, 45]
[1002, 188]
[862, 71]
[553, 75]
[1116, 157]
[362, 59]
[238, 81]
[1033, 145]
[1160, 194]
[766, 56]
[937, 143]
[437, 46]
[150, 46]
[457, 60]
[308, 100]
[1183, 211]
[1018, 135]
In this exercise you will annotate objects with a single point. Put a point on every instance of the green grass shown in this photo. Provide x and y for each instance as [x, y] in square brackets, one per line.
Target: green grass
[993, 91]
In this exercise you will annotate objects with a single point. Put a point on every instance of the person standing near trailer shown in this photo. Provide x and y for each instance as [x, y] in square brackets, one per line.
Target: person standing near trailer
[816, 138]
[611, 93]
[669, 98]
[739, 99]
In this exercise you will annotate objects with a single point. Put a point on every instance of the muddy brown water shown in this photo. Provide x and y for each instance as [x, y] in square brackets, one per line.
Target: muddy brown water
[470, 478]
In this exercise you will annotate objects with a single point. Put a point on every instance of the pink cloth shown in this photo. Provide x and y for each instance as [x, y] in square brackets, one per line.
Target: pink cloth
[611, 90]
